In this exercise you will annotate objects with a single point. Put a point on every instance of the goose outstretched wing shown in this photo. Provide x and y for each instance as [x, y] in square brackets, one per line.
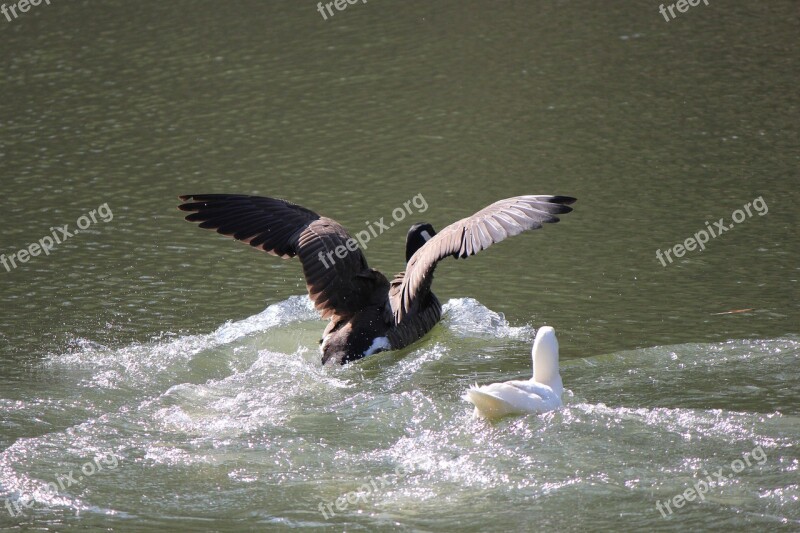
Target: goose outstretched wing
[469, 236]
[338, 279]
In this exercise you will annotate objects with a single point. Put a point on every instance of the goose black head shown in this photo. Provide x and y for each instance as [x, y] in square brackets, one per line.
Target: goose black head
[417, 236]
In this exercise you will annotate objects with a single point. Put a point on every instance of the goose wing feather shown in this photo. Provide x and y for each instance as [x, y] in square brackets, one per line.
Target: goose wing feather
[338, 286]
[469, 236]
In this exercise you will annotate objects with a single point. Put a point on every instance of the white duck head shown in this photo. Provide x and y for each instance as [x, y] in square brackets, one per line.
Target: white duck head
[545, 359]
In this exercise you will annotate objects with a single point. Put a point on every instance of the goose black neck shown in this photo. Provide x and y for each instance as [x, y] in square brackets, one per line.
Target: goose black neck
[417, 236]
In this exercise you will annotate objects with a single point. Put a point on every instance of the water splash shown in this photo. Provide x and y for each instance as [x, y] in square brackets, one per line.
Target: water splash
[248, 414]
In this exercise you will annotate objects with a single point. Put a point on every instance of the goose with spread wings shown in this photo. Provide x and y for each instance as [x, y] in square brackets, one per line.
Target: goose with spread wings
[367, 312]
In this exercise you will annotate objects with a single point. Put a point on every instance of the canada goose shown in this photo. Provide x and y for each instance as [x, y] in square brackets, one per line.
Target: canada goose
[539, 394]
[367, 313]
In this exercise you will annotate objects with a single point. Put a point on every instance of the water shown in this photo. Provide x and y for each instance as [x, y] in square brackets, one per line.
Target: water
[242, 427]
[191, 360]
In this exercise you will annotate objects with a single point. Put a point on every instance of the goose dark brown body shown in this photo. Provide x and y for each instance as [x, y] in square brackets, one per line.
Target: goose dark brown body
[367, 313]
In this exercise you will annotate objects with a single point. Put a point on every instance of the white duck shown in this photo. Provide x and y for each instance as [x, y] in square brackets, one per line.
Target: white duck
[539, 394]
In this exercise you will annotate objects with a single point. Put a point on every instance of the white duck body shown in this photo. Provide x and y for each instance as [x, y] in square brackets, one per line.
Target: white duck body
[539, 394]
